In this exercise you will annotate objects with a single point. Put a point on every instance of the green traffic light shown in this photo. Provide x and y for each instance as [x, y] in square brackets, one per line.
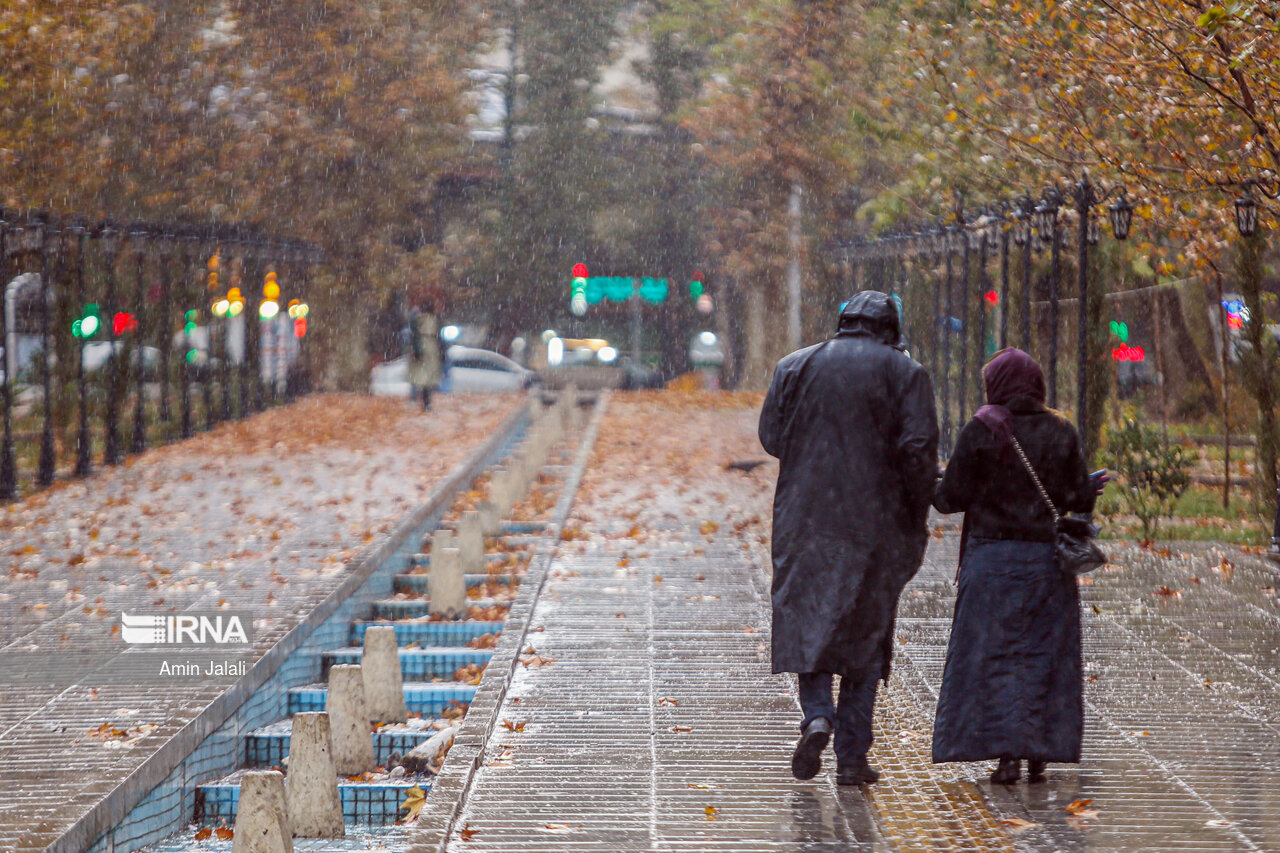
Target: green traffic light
[193, 356]
[89, 325]
[695, 290]
[189, 328]
[1120, 330]
[75, 329]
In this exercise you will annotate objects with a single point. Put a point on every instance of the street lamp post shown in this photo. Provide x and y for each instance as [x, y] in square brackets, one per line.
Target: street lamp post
[1246, 209]
[949, 245]
[8, 466]
[1086, 195]
[1023, 216]
[139, 236]
[112, 451]
[1046, 214]
[84, 439]
[165, 261]
[48, 231]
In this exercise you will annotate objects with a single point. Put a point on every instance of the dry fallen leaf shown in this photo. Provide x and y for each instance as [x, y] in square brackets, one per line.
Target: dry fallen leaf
[467, 833]
[700, 786]
[711, 812]
[513, 726]
[556, 828]
[667, 700]
[225, 833]
[1080, 808]
[414, 799]
[682, 729]
[204, 833]
[1017, 824]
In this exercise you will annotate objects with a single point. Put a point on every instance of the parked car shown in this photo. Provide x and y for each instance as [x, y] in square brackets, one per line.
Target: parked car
[97, 353]
[468, 371]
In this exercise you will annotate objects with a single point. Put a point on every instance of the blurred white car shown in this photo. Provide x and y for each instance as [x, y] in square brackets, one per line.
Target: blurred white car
[469, 371]
[96, 353]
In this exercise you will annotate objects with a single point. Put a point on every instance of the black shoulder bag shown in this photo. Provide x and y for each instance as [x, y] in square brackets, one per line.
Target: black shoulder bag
[1076, 551]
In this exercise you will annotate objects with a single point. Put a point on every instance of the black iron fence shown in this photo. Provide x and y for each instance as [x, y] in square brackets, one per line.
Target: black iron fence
[116, 336]
[958, 311]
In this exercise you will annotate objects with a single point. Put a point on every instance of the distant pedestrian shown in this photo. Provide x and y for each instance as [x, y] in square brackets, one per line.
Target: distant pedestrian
[1011, 688]
[425, 364]
[853, 425]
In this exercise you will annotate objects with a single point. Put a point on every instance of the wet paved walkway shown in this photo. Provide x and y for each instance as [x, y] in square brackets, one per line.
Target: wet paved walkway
[646, 718]
[265, 515]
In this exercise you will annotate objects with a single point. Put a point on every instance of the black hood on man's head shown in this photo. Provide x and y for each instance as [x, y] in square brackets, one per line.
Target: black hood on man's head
[872, 313]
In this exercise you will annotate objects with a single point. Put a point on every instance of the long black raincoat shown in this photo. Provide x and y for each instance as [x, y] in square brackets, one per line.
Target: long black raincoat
[1012, 686]
[852, 422]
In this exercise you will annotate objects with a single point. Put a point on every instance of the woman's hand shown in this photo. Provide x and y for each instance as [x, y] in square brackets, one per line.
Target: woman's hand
[1099, 480]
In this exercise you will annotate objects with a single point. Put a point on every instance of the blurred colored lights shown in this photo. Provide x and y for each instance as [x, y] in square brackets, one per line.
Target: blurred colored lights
[1124, 352]
[607, 354]
[707, 339]
[450, 333]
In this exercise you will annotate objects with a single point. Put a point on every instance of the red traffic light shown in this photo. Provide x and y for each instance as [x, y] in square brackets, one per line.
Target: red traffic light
[123, 322]
[300, 327]
[991, 297]
[697, 275]
[579, 270]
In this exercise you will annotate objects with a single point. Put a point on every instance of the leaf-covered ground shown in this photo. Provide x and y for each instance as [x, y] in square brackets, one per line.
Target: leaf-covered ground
[263, 515]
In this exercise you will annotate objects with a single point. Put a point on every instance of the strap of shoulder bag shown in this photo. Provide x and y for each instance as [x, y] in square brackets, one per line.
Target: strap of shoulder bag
[1026, 463]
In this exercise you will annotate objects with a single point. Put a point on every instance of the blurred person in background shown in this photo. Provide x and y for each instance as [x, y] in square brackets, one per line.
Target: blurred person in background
[426, 362]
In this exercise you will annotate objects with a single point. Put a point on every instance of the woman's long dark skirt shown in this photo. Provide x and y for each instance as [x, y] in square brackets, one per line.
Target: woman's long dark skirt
[1012, 683]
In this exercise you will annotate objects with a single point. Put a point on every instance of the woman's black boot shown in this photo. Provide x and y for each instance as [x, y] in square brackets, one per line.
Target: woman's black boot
[1008, 772]
[1035, 770]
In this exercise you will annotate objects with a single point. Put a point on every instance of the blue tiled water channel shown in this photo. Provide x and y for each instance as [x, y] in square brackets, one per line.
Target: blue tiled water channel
[203, 789]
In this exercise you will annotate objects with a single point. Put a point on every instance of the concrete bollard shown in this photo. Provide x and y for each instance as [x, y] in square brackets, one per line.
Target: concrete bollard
[446, 585]
[490, 518]
[261, 824]
[442, 539]
[500, 491]
[380, 670]
[351, 736]
[311, 788]
[470, 542]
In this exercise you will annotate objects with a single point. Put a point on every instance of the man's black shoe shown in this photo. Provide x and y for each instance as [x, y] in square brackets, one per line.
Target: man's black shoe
[806, 761]
[1035, 770]
[861, 773]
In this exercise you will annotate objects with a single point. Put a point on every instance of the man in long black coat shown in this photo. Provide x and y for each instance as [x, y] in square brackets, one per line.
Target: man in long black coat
[853, 424]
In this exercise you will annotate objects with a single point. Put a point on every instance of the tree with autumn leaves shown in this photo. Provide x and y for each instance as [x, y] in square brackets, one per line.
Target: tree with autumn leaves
[320, 119]
[1177, 99]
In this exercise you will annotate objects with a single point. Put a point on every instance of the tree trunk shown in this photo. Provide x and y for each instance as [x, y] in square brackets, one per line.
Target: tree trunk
[1259, 378]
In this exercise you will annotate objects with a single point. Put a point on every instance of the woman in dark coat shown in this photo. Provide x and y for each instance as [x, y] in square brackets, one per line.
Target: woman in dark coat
[1012, 687]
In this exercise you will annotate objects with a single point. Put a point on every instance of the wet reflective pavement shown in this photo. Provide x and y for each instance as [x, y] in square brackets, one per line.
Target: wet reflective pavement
[647, 718]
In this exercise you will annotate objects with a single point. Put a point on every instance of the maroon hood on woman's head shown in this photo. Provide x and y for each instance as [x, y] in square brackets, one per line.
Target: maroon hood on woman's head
[1010, 373]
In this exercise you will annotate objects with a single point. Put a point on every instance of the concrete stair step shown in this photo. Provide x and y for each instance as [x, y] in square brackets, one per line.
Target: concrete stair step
[416, 664]
[430, 699]
[413, 608]
[498, 560]
[428, 633]
[363, 803]
[268, 746]
[417, 582]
